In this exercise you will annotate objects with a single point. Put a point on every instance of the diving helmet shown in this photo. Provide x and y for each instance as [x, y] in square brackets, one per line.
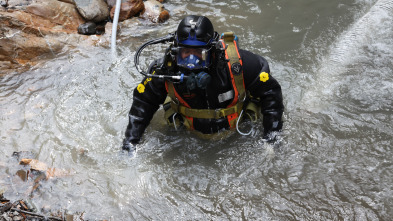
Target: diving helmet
[193, 39]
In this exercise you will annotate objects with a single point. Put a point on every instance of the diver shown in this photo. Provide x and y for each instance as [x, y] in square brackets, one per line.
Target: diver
[206, 83]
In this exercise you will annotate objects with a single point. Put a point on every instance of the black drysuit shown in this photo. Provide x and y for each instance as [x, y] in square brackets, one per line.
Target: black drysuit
[269, 93]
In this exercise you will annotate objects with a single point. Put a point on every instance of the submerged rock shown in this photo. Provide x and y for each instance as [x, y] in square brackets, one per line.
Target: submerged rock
[43, 168]
[33, 173]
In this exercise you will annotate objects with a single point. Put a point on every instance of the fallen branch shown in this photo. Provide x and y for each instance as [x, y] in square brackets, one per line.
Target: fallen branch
[35, 214]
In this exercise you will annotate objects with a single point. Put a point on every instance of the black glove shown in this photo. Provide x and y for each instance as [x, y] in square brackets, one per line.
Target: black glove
[127, 146]
[271, 137]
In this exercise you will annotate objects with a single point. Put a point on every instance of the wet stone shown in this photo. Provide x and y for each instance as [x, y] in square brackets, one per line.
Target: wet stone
[92, 10]
[100, 29]
[22, 154]
[88, 28]
[4, 3]
[23, 174]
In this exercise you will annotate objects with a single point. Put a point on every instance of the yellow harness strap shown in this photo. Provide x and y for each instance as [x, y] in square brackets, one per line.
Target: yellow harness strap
[234, 64]
[206, 113]
[236, 72]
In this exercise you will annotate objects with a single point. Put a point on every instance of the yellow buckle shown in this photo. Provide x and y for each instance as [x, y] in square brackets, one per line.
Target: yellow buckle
[218, 113]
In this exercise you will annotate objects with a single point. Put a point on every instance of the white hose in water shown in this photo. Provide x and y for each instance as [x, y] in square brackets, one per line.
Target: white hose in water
[114, 26]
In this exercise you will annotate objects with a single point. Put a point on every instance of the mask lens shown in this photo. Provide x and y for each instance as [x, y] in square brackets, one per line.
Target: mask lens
[193, 58]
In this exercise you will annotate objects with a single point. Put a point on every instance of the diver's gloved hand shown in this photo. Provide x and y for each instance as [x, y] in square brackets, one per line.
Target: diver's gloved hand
[128, 146]
[271, 137]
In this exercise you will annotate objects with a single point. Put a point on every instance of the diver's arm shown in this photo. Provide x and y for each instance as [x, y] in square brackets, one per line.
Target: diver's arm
[140, 115]
[146, 101]
[271, 102]
[267, 89]
[272, 109]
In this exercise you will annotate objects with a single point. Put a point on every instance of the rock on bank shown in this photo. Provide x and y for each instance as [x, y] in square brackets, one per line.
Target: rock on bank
[32, 30]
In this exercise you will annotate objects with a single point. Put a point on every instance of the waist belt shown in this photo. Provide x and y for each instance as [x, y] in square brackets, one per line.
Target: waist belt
[207, 113]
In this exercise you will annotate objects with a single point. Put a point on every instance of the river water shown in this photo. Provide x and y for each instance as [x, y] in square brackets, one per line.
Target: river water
[334, 160]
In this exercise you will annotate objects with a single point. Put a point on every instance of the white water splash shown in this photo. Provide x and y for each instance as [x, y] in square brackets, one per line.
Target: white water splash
[371, 30]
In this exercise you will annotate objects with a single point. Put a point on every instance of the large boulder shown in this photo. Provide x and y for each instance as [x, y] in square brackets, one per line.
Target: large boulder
[111, 3]
[33, 30]
[155, 11]
[128, 9]
[57, 12]
[21, 42]
[45, 27]
[93, 10]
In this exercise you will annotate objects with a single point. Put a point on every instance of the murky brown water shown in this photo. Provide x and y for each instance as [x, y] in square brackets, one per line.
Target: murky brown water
[334, 62]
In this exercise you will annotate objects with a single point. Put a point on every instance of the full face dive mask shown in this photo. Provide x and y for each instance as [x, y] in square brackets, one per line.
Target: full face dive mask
[193, 58]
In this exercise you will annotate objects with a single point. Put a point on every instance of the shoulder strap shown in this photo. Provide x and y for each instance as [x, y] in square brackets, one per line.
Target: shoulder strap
[235, 66]
[170, 88]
